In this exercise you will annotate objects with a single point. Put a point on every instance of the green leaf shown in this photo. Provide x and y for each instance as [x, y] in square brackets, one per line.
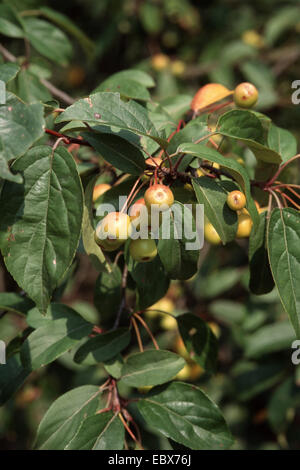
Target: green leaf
[261, 280]
[282, 141]
[12, 376]
[177, 105]
[126, 84]
[65, 416]
[185, 414]
[88, 232]
[40, 221]
[283, 248]
[103, 347]
[151, 367]
[104, 431]
[256, 379]
[213, 194]
[107, 296]
[8, 71]
[270, 338]
[49, 342]
[193, 131]
[30, 89]
[179, 261]
[280, 21]
[151, 282]
[10, 22]
[14, 302]
[117, 151]
[199, 341]
[5, 172]
[110, 110]
[236, 170]
[211, 285]
[48, 40]
[285, 398]
[228, 312]
[65, 23]
[245, 126]
[25, 121]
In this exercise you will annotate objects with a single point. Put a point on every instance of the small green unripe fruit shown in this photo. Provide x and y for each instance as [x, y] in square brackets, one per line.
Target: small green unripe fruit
[160, 196]
[236, 200]
[143, 250]
[108, 245]
[245, 95]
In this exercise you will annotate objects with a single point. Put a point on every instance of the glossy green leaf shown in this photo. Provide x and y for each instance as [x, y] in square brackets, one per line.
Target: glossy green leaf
[30, 89]
[103, 347]
[282, 141]
[151, 282]
[193, 131]
[199, 341]
[55, 311]
[12, 376]
[8, 71]
[65, 23]
[48, 40]
[10, 22]
[270, 338]
[40, 221]
[256, 378]
[286, 397]
[283, 19]
[65, 416]
[151, 367]
[127, 85]
[107, 294]
[5, 172]
[178, 258]
[49, 342]
[14, 302]
[104, 431]
[88, 231]
[185, 414]
[118, 152]
[261, 280]
[237, 171]
[213, 194]
[283, 234]
[110, 110]
[245, 126]
[26, 121]
[177, 105]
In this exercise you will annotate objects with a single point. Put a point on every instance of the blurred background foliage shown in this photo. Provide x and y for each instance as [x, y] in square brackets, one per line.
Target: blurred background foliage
[183, 45]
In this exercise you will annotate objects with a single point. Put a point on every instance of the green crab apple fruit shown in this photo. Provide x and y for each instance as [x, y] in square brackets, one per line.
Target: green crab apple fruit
[159, 196]
[245, 95]
[114, 228]
[143, 250]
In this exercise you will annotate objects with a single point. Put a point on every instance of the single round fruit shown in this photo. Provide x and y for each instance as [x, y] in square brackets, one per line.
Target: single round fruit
[100, 189]
[211, 235]
[253, 38]
[115, 226]
[236, 200]
[108, 245]
[143, 250]
[159, 197]
[184, 373]
[138, 213]
[168, 322]
[245, 95]
[177, 68]
[150, 161]
[160, 62]
[244, 226]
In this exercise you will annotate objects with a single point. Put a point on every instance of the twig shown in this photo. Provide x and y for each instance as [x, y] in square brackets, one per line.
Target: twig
[129, 431]
[280, 169]
[57, 92]
[123, 299]
[68, 140]
[138, 336]
[147, 329]
[276, 198]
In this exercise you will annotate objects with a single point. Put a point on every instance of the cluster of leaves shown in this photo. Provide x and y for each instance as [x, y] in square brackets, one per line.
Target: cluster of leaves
[47, 217]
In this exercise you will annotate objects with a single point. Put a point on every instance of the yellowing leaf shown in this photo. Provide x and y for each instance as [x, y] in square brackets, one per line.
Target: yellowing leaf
[209, 94]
